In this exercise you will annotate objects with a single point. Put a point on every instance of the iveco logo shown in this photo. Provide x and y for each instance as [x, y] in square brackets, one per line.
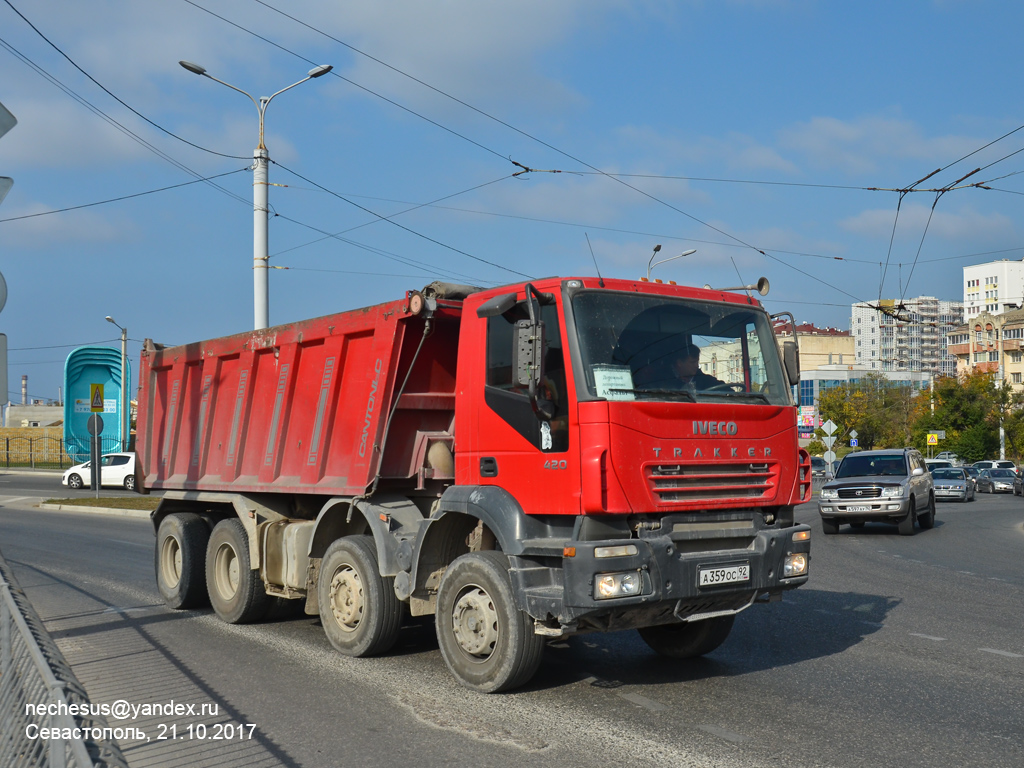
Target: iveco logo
[715, 428]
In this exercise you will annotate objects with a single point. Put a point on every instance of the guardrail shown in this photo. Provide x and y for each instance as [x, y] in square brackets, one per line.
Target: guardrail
[40, 697]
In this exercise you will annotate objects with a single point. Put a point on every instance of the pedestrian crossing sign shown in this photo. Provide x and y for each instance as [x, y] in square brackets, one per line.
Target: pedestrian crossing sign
[96, 398]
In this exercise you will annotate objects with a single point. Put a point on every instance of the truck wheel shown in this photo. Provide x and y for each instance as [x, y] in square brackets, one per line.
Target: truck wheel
[828, 527]
[688, 639]
[236, 591]
[488, 644]
[180, 560]
[359, 610]
[927, 520]
[907, 523]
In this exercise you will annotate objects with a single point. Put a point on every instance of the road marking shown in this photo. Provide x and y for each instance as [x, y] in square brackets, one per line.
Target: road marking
[643, 701]
[736, 738]
[1002, 653]
[927, 637]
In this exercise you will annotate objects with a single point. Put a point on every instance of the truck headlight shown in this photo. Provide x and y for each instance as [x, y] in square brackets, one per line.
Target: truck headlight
[609, 585]
[794, 565]
[829, 493]
[892, 492]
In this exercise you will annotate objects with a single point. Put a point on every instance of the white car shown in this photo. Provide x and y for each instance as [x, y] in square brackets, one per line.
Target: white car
[116, 469]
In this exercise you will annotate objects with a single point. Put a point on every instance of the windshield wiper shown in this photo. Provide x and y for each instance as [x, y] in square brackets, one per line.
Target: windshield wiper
[735, 394]
[672, 394]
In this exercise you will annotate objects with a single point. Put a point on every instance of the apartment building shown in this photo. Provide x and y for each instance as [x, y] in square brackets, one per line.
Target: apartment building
[994, 287]
[908, 336]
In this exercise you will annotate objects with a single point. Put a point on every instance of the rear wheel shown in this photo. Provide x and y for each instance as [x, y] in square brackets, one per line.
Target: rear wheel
[829, 526]
[689, 639]
[129, 483]
[236, 591]
[358, 608]
[488, 644]
[180, 560]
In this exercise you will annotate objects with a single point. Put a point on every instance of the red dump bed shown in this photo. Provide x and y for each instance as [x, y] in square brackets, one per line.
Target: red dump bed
[298, 407]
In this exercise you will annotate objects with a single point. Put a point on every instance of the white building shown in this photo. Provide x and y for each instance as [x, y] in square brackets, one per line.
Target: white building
[910, 336]
[994, 287]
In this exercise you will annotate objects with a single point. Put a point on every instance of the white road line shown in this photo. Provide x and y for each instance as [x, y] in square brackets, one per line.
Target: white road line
[736, 738]
[1002, 653]
[927, 637]
[643, 701]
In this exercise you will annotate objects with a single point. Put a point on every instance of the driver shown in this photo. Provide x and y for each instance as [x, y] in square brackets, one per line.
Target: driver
[686, 370]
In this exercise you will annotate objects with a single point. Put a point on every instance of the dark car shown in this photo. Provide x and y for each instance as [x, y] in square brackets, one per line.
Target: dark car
[820, 468]
[996, 481]
[952, 484]
[889, 486]
[1018, 483]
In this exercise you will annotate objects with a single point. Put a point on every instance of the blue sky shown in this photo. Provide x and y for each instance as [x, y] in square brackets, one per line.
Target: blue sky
[751, 130]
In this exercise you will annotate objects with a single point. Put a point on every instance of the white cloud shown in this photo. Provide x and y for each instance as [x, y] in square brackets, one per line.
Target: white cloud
[965, 224]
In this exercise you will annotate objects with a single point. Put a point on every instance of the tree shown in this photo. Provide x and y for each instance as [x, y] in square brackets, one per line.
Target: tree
[880, 410]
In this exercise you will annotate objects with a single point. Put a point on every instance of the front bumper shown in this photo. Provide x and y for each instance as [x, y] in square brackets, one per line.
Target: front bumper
[866, 509]
[670, 565]
[950, 494]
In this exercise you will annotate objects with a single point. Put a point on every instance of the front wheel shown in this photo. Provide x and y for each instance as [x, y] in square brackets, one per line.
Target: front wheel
[75, 481]
[906, 525]
[236, 591]
[927, 520]
[488, 644]
[358, 608]
[689, 639]
[829, 526]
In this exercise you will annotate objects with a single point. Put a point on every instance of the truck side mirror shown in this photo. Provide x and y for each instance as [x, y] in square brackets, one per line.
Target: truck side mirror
[791, 359]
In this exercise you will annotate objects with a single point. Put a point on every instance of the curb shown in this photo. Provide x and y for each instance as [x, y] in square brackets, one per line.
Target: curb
[139, 513]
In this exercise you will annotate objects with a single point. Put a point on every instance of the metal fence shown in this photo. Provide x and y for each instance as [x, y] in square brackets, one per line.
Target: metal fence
[40, 696]
[48, 452]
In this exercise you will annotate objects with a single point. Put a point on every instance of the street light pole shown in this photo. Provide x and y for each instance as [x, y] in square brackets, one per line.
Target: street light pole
[260, 206]
[125, 402]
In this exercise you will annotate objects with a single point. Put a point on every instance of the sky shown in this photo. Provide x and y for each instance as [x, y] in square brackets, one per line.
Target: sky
[777, 137]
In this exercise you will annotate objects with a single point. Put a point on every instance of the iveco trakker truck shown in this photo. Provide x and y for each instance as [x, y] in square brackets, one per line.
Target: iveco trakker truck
[522, 462]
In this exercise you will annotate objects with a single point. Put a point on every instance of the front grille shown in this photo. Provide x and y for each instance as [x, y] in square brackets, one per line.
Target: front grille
[672, 483]
[860, 493]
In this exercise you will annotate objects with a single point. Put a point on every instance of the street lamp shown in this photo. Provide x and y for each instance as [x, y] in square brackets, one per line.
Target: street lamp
[657, 248]
[261, 161]
[125, 402]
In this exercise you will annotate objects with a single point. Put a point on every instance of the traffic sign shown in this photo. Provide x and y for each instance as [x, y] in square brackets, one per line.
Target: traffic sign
[829, 456]
[853, 442]
[933, 439]
[829, 427]
[853, 433]
[96, 398]
[829, 441]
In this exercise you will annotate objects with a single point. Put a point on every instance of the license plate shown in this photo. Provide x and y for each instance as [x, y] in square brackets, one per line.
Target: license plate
[854, 508]
[709, 577]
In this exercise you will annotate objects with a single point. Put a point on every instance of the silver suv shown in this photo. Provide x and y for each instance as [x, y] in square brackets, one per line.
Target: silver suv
[890, 486]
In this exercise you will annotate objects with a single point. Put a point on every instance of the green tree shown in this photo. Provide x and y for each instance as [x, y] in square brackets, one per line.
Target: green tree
[880, 410]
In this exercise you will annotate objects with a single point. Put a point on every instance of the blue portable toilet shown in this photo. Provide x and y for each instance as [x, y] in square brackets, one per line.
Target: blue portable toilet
[84, 367]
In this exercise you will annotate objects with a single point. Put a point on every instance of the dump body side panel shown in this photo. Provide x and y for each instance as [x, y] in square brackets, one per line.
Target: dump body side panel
[294, 408]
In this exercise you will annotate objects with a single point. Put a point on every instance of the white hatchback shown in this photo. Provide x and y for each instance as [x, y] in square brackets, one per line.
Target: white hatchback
[116, 469]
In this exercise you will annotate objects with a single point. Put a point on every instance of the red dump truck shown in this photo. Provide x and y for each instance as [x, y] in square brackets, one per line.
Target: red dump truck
[523, 462]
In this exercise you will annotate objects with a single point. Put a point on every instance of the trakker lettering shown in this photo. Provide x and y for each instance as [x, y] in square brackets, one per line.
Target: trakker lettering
[369, 408]
[733, 452]
[715, 428]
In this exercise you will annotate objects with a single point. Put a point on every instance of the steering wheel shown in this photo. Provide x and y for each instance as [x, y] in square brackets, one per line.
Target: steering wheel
[735, 386]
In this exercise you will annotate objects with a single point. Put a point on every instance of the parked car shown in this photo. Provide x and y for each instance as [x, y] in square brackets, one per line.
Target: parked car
[996, 481]
[950, 457]
[952, 484]
[890, 486]
[117, 469]
[934, 464]
[820, 468]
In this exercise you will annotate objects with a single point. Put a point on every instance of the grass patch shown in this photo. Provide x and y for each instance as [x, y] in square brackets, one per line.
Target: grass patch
[112, 502]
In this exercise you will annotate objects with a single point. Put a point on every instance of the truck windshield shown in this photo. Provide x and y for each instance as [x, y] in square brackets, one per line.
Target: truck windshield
[643, 347]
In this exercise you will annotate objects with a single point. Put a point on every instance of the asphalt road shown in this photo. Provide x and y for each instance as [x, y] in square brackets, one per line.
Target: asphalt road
[901, 651]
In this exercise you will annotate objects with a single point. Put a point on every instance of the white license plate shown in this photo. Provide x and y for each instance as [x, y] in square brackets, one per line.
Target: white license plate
[858, 508]
[709, 577]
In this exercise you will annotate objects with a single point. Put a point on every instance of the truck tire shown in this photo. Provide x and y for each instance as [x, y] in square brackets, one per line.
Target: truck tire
[927, 520]
[236, 591]
[359, 610]
[688, 639]
[487, 643]
[181, 560]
